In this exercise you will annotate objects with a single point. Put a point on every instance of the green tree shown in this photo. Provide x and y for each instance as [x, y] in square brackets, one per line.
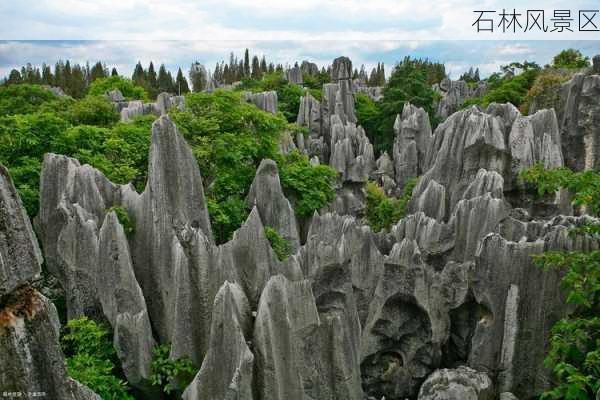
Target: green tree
[408, 83]
[165, 81]
[93, 110]
[570, 59]
[181, 84]
[152, 81]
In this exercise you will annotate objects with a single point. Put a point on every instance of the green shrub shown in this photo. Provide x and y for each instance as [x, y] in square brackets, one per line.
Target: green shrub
[23, 141]
[570, 59]
[508, 88]
[280, 246]
[545, 91]
[382, 211]
[309, 187]
[128, 88]
[93, 110]
[24, 99]
[91, 358]
[169, 374]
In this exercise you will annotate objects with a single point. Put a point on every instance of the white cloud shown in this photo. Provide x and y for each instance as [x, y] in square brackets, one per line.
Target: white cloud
[514, 49]
[257, 19]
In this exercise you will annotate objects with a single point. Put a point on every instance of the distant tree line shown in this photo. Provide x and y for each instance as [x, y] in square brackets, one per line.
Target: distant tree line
[163, 81]
[243, 68]
[73, 79]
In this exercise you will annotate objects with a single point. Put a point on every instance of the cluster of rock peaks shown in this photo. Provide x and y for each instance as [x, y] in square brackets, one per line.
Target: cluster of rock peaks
[447, 304]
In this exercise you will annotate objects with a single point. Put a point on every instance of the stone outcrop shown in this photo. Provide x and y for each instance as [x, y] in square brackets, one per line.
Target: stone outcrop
[266, 101]
[454, 94]
[20, 256]
[454, 384]
[129, 109]
[227, 369]
[123, 303]
[447, 304]
[578, 111]
[411, 143]
[286, 316]
[32, 359]
[294, 75]
[275, 210]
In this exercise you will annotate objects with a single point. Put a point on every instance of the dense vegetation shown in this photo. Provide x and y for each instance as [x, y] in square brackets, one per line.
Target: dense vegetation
[411, 81]
[33, 122]
[382, 211]
[570, 59]
[228, 136]
[229, 139]
[574, 354]
[511, 85]
[92, 360]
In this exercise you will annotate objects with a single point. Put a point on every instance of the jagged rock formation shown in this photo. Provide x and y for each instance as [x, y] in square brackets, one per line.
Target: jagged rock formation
[227, 369]
[578, 116]
[286, 316]
[309, 68]
[134, 108]
[351, 313]
[32, 360]
[123, 302]
[309, 116]
[454, 94]
[20, 256]
[374, 92]
[461, 383]
[275, 210]
[266, 101]
[294, 76]
[412, 140]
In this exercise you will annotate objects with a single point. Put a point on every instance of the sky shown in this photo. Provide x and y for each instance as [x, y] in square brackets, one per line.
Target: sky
[179, 32]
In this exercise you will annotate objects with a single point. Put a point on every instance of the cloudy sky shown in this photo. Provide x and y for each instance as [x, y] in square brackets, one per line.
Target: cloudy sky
[178, 32]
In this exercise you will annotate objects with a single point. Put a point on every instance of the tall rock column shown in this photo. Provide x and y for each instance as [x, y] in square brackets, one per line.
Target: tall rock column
[172, 200]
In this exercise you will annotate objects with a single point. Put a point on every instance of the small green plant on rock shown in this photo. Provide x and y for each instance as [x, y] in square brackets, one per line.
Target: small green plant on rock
[92, 360]
[124, 219]
[280, 246]
[382, 211]
[168, 373]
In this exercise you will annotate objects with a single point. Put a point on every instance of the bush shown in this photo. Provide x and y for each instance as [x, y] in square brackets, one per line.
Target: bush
[167, 373]
[545, 91]
[280, 246]
[229, 138]
[93, 110]
[509, 89]
[24, 99]
[91, 358]
[309, 187]
[127, 87]
[23, 141]
[382, 212]
[570, 59]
